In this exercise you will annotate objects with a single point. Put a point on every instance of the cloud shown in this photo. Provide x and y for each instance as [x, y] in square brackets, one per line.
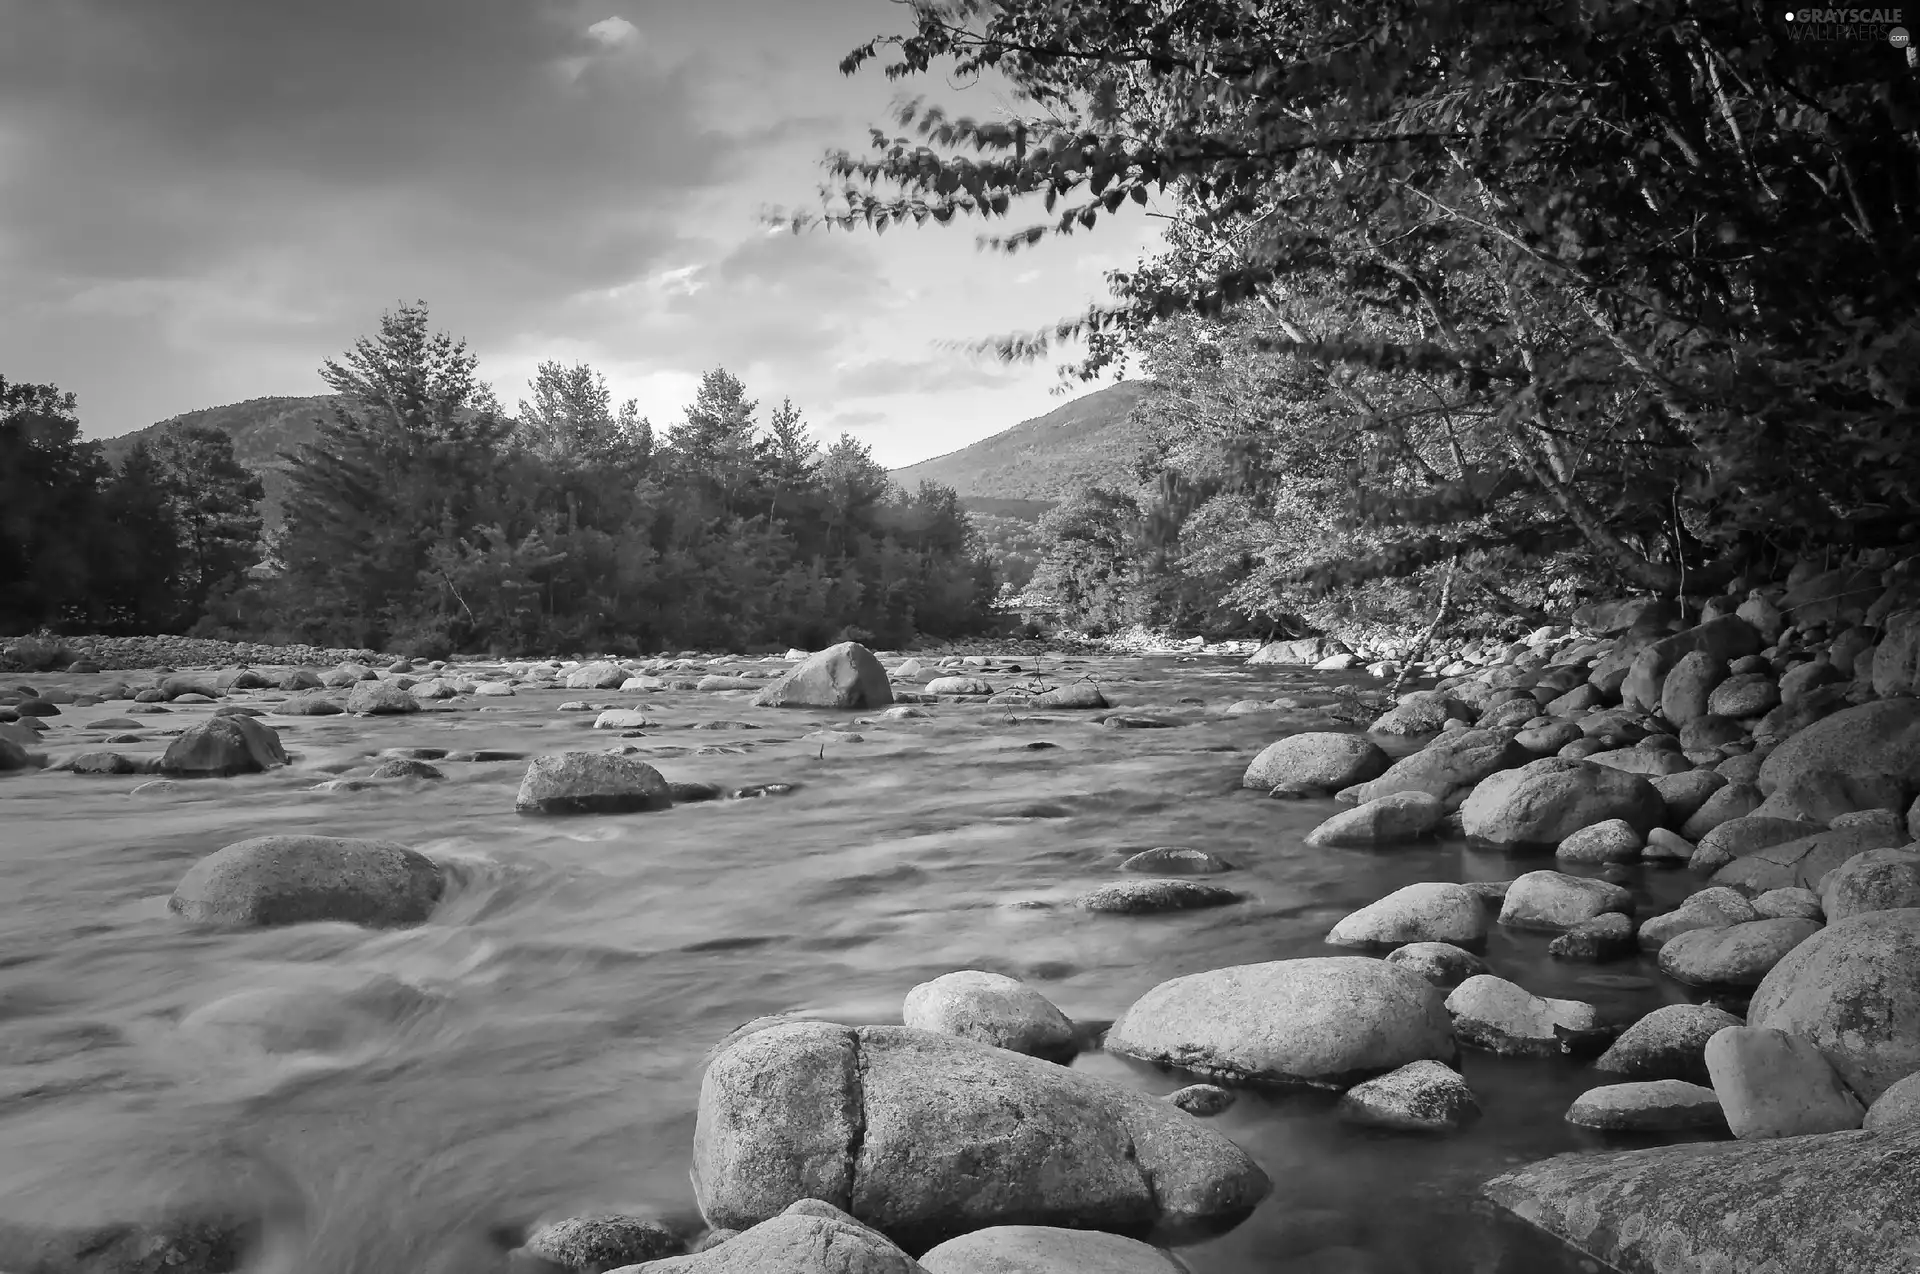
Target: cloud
[884, 376]
[614, 32]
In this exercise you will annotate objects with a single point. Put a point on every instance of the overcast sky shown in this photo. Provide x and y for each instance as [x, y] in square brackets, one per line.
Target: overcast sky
[202, 199]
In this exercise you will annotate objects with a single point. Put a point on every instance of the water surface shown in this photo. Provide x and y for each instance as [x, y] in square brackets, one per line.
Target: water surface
[402, 1100]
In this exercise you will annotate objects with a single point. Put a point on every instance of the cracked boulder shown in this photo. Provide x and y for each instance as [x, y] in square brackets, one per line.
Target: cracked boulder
[925, 1137]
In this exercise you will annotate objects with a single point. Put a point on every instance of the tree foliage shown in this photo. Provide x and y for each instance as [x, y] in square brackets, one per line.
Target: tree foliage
[425, 517]
[1633, 281]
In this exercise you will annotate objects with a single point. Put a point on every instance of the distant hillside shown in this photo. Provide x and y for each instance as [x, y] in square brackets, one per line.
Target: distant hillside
[1041, 461]
[261, 428]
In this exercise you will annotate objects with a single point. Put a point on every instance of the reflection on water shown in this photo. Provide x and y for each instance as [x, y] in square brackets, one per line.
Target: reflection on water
[400, 1100]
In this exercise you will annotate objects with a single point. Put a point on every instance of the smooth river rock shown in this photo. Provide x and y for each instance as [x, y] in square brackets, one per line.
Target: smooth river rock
[1496, 1015]
[1546, 801]
[1422, 1096]
[808, 1237]
[926, 1137]
[1668, 1043]
[221, 746]
[1040, 1249]
[1426, 912]
[283, 880]
[1317, 758]
[990, 1008]
[591, 783]
[1552, 901]
[1328, 1022]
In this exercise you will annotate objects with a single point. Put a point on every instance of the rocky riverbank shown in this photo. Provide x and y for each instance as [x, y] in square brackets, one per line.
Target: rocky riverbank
[1765, 746]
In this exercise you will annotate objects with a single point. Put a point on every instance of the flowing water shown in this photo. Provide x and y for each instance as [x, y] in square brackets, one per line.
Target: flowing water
[406, 1100]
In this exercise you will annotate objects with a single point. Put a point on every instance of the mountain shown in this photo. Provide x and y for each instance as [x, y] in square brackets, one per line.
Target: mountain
[1022, 471]
[261, 428]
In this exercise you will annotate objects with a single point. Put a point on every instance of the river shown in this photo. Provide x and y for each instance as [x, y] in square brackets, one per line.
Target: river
[406, 1100]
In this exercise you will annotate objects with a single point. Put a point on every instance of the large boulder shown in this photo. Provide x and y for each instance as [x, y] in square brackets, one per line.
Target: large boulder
[1723, 639]
[1878, 880]
[1874, 744]
[591, 783]
[1831, 596]
[1625, 614]
[808, 1237]
[1546, 801]
[1301, 652]
[1658, 1105]
[1075, 694]
[926, 1137]
[1418, 1097]
[1896, 660]
[1668, 1043]
[1440, 963]
[1803, 863]
[1683, 696]
[1400, 817]
[1723, 804]
[283, 880]
[1041, 1249]
[1426, 912]
[1328, 1022]
[990, 1008]
[1773, 1084]
[1446, 765]
[1552, 901]
[1501, 1017]
[599, 675]
[1421, 712]
[1736, 956]
[1853, 989]
[223, 745]
[380, 698]
[842, 676]
[1840, 1202]
[1744, 834]
[1716, 907]
[1318, 758]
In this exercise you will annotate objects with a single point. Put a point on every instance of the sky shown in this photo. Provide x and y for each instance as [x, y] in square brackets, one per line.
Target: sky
[201, 200]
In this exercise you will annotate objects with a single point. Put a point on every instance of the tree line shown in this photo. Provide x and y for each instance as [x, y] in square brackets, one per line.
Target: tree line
[1538, 298]
[424, 517]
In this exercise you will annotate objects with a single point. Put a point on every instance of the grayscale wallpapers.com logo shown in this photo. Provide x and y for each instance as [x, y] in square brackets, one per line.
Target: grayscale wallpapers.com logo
[1815, 25]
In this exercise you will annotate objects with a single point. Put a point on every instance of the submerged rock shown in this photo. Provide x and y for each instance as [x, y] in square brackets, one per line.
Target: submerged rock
[1177, 860]
[1150, 897]
[594, 1244]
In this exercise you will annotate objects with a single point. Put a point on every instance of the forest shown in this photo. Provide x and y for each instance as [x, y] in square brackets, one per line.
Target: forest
[427, 519]
[1544, 300]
